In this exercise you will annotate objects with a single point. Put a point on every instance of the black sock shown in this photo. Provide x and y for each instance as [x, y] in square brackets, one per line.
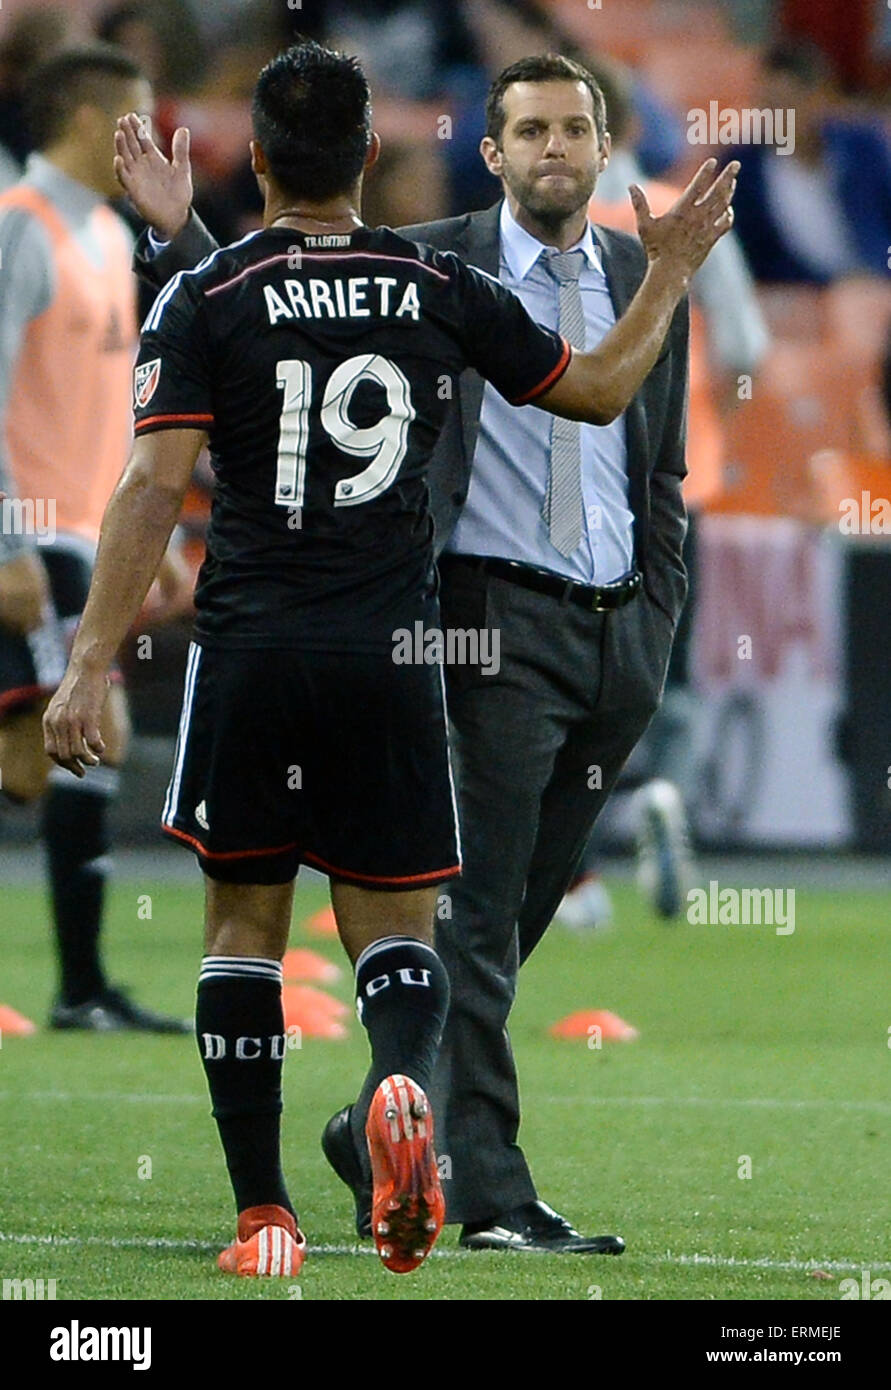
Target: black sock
[402, 991]
[74, 826]
[241, 1037]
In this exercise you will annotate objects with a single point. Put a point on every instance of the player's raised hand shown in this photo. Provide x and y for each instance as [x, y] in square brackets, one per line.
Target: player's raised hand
[683, 237]
[71, 734]
[159, 188]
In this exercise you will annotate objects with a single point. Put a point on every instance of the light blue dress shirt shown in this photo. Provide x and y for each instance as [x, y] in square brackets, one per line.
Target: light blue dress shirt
[502, 514]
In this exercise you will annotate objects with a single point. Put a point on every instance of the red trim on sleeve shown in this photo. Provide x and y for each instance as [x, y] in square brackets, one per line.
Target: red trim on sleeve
[550, 379]
[171, 420]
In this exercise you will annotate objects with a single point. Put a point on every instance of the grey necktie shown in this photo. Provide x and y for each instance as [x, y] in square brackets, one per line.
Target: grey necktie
[563, 510]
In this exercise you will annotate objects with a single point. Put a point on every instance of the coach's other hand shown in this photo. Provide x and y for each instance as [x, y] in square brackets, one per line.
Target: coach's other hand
[160, 189]
[71, 734]
[24, 593]
[702, 214]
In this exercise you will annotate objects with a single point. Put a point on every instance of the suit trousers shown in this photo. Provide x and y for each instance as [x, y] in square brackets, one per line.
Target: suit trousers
[537, 746]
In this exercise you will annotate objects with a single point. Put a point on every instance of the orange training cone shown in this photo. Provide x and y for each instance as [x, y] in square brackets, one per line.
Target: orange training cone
[15, 1025]
[594, 1023]
[321, 923]
[301, 964]
[315, 1013]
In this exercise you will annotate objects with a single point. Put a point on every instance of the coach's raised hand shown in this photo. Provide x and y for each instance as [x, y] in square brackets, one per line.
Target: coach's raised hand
[683, 237]
[598, 385]
[160, 189]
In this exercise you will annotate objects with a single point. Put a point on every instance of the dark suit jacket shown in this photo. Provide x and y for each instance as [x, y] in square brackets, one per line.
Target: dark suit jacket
[655, 419]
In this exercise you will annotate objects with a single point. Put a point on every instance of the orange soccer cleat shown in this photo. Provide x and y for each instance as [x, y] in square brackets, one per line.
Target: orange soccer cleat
[408, 1207]
[268, 1243]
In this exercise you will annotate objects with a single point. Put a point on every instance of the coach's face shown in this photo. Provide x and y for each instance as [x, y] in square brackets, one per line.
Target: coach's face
[551, 153]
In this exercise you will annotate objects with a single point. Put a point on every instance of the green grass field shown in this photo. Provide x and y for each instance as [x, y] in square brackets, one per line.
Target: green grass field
[751, 1044]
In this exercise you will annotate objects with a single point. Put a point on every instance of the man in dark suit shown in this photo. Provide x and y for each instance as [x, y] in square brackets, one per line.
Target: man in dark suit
[567, 540]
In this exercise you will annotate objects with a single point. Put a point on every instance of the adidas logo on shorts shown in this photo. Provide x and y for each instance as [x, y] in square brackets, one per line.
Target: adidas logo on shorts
[201, 815]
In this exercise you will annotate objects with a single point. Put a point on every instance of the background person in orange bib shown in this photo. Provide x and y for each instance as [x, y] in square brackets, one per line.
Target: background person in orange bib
[67, 341]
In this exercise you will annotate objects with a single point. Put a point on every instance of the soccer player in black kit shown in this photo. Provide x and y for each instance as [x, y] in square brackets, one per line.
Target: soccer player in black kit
[316, 357]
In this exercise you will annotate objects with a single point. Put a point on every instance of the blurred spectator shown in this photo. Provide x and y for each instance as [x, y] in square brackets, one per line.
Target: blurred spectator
[751, 21]
[421, 60]
[133, 27]
[886, 381]
[845, 33]
[163, 36]
[408, 48]
[824, 210]
[33, 36]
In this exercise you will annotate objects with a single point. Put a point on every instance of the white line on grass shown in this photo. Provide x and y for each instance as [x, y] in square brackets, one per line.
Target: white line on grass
[882, 1107]
[669, 1258]
[103, 1097]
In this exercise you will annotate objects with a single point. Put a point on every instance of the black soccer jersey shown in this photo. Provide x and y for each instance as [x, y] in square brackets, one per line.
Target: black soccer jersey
[322, 369]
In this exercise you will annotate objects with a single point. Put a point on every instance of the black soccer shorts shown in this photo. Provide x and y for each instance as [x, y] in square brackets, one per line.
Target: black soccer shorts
[32, 666]
[339, 760]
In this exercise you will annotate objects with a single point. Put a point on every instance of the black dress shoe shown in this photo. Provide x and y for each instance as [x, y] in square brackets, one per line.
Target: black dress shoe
[339, 1148]
[113, 1011]
[535, 1226]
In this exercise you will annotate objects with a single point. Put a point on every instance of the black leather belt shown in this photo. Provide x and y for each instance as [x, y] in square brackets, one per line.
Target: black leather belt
[602, 599]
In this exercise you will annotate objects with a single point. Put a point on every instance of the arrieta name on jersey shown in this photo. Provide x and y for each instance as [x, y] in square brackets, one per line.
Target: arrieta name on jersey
[356, 298]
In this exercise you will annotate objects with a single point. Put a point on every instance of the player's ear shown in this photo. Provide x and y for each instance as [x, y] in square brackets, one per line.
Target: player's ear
[374, 151]
[258, 159]
[606, 149]
[493, 157]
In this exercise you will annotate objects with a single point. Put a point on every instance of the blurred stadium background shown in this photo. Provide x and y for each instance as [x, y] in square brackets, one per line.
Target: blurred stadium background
[781, 745]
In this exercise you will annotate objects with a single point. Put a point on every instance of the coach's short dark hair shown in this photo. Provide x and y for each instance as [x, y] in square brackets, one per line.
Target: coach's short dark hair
[548, 67]
[312, 116]
[71, 78]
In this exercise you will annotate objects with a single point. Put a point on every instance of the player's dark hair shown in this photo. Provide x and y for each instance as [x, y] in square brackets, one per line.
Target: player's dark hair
[546, 67]
[312, 116]
[73, 77]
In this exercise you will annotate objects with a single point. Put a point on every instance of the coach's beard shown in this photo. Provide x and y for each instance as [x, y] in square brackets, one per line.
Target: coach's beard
[554, 204]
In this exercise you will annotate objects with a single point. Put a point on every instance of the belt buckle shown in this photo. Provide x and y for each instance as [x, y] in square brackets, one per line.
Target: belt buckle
[632, 585]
